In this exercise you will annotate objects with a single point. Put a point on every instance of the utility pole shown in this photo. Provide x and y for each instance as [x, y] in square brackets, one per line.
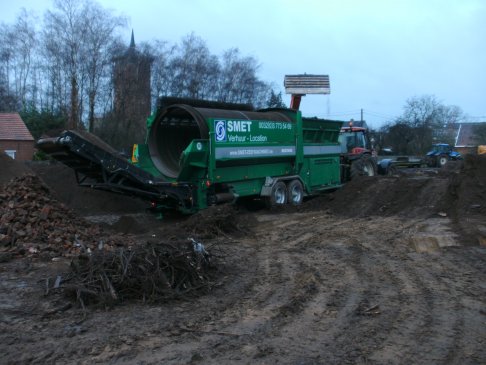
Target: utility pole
[361, 114]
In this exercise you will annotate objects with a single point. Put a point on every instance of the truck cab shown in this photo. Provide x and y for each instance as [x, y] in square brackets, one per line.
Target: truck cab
[353, 140]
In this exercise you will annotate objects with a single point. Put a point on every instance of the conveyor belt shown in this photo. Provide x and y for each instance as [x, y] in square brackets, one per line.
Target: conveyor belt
[98, 165]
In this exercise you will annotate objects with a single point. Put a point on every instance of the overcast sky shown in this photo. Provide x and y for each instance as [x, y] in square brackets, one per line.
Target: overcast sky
[376, 53]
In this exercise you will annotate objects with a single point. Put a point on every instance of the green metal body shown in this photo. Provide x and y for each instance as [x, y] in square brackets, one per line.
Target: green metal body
[235, 157]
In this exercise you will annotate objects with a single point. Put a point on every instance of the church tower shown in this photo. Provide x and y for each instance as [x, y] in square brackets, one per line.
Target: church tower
[132, 97]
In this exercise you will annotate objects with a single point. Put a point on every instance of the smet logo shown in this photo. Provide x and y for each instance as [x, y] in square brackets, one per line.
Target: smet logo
[223, 127]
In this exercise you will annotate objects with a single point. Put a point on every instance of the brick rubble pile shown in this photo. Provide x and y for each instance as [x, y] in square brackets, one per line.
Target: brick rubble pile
[31, 221]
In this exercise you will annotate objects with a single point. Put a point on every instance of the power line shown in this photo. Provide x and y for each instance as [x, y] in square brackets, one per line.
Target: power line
[343, 115]
[349, 112]
[357, 114]
[379, 114]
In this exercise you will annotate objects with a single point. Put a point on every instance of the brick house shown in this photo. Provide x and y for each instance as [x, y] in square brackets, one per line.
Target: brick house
[466, 140]
[15, 139]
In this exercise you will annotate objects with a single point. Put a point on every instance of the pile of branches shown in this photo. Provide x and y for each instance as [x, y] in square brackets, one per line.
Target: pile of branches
[154, 272]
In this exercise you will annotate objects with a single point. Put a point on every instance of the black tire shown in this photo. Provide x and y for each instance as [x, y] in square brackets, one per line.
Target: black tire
[278, 196]
[442, 160]
[295, 192]
[431, 161]
[364, 166]
[392, 170]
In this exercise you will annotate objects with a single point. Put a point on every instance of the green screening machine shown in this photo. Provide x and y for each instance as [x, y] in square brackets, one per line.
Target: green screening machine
[199, 153]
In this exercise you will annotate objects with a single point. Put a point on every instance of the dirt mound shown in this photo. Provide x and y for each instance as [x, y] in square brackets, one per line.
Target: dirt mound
[409, 196]
[456, 190]
[466, 200]
[11, 168]
[216, 221]
[414, 196]
[467, 188]
[84, 200]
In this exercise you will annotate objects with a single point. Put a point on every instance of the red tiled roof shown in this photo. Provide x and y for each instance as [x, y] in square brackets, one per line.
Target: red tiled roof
[465, 135]
[12, 127]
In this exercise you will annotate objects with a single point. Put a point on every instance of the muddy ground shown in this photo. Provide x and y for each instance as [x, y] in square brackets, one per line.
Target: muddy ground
[387, 270]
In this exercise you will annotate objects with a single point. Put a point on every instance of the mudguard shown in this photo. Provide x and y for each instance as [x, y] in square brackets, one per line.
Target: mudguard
[384, 165]
[455, 155]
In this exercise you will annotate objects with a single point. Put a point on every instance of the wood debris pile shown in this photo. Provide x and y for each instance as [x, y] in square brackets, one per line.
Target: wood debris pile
[153, 272]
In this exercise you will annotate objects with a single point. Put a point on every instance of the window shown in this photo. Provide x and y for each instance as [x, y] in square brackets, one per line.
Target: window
[11, 153]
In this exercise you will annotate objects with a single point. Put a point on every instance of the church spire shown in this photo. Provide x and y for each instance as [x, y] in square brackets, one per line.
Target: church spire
[132, 41]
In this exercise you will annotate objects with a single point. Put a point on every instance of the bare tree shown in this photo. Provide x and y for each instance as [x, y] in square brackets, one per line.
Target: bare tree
[99, 38]
[194, 69]
[25, 42]
[275, 100]
[239, 82]
[190, 70]
[77, 38]
[421, 110]
[64, 27]
[425, 121]
[8, 101]
[6, 58]
[17, 49]
[162, 54]
[53, 70]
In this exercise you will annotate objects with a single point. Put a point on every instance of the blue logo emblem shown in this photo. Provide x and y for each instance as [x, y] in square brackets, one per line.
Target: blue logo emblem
[220, 130]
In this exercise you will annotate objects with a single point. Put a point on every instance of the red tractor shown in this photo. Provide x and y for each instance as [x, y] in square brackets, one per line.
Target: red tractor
[357, 155]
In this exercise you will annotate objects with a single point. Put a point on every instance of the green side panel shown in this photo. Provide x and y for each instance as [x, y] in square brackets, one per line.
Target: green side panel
[247, 149]
[321, 168]
[251, 132]
[252, 171]
[244, 152]
[247, 187]
[251, 139]
[323, 172]
[321, 130]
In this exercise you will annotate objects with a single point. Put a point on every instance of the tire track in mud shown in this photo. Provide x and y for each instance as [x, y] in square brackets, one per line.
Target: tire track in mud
[343, 338]
[452, 330]
[415, 321]
[307, 301]
[434, 328]
[410, 321]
